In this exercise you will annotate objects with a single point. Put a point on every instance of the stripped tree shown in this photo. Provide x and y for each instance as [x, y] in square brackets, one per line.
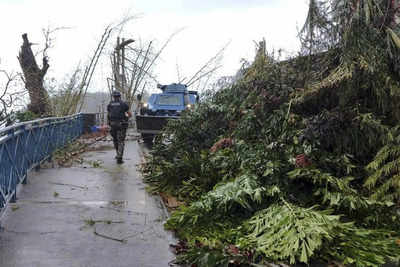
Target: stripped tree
[34, 77]
[131, 66]
[8, 95]
[202, 76]
[70, 96]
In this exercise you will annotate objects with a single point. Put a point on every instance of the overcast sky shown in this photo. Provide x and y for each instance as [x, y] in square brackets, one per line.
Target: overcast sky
[208, 26]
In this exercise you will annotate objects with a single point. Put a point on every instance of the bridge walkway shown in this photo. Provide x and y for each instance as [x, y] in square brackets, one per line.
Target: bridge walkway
[94, 214]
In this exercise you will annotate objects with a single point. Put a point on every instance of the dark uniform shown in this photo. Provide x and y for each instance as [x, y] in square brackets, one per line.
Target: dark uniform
[118, 122]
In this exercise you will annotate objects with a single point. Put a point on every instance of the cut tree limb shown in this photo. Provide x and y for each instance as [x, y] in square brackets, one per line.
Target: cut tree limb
[109, 237]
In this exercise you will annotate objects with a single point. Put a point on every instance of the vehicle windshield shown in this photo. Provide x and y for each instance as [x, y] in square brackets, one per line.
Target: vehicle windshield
[169, 100]
[192, 99]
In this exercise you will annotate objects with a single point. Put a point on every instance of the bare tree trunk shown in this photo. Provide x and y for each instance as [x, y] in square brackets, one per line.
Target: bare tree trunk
[34, 77]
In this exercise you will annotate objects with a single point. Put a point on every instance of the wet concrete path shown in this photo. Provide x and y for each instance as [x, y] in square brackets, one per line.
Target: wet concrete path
[88, 215]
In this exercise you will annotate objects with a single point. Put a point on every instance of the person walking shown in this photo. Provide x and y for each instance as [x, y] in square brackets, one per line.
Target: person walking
[117, 115]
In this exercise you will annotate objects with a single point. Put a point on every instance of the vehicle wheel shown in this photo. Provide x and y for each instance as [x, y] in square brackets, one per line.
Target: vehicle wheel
[148, 138]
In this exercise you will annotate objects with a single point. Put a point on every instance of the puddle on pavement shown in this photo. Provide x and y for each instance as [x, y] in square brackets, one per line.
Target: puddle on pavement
[116, 173]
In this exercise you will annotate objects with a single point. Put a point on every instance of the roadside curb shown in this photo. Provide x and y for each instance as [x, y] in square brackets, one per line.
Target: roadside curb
[157, 196]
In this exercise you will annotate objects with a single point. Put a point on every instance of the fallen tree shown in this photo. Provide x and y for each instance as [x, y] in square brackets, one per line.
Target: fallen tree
[298, 161]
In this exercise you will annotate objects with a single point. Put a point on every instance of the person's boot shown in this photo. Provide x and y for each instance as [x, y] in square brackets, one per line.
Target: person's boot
[119, 161]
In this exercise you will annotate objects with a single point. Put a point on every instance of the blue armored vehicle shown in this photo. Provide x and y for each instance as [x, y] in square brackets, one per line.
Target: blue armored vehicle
[154, 114]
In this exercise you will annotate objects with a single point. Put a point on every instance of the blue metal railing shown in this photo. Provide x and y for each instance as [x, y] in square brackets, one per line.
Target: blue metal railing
[25, 145]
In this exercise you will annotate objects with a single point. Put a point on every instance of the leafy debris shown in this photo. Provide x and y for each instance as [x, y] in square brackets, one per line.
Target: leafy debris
[298, 161]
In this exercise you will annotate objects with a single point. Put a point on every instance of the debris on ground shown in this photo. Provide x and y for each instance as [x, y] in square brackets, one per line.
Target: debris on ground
[170, 202]
[70, 185]
[298, 160]
[109, 237]
[71, 154]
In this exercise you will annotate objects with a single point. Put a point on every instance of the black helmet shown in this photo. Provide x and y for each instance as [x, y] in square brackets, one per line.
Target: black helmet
[116, 94]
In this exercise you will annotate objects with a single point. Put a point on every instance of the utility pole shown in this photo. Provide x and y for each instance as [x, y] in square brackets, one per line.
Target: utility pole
[119, 64]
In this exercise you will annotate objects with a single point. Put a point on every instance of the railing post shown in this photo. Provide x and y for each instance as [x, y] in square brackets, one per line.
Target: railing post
[37, 167]
[14, 197]
[25, 179]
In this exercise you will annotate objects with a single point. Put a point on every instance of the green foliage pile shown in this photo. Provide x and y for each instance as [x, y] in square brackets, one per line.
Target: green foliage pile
[297, 161]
